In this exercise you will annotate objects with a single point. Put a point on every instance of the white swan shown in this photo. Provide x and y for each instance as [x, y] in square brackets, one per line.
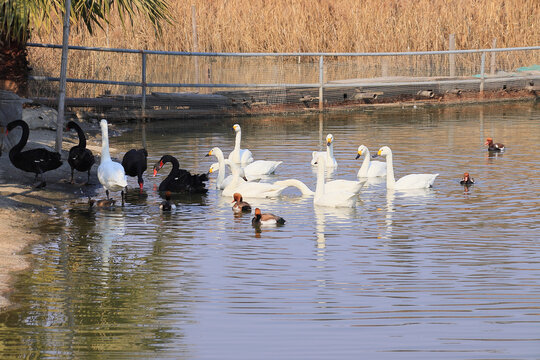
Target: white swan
[256, 169]
[110, 173]
[370, 169]
[222, 181]
[325, 196]
[329, 153]
[412, 181]
[240, 156]
[260, 190]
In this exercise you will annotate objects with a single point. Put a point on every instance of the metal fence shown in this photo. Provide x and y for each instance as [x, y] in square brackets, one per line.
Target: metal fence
[275, 78]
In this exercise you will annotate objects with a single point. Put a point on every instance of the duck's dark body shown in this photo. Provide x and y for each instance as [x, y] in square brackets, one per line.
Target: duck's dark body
[180, 180]
[135, 164]
[37, 161]
[80, 158]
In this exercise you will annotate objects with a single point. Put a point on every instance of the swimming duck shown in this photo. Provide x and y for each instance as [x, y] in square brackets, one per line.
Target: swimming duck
[239, 204]
[167, 205]
[496, 147]
[266, 219]
[466, 180]
[101, 203]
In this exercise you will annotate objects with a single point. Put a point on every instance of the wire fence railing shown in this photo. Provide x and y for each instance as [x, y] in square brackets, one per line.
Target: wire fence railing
[272, 78]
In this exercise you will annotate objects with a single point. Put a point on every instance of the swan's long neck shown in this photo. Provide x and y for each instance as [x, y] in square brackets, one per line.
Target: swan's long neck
[105, 155]
[235, 175]
[295, 183]
[174, 162]
[24, 138]
[390, 179]
[221, 161]
[321, 166]
[365, 164]
[80, 134]
[330, 152]
[236, 150]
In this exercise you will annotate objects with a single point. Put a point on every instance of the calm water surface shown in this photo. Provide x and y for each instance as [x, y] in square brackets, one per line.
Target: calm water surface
[443, 273]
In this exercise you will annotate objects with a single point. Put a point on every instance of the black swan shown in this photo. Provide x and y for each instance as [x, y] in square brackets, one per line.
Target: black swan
[239, 204]
[36, 161]
[496, 147]
[266, 219]
[80, 158]
[180, 180]
[134, 163]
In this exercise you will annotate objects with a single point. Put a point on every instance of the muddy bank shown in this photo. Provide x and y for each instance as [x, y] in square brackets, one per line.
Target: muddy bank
[23, 208]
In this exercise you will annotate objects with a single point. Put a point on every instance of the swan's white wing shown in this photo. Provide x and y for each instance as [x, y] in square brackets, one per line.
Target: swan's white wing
[255, 190]
[314, 156]
[261, 167]
[112, 176]
[376, 169]
[416, 181]
[246, 156]
[343, 185]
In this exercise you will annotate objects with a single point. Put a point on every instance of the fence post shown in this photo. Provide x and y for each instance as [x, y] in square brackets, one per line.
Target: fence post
[63, 76]
[482, 73]
[452, 57]
[143, 85]
[493, 46]
[321, 82]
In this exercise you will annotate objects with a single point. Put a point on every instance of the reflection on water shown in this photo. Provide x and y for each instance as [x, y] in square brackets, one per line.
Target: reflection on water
[451, 270]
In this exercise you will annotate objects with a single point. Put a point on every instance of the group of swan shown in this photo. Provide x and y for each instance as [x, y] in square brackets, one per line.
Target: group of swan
[335, 193]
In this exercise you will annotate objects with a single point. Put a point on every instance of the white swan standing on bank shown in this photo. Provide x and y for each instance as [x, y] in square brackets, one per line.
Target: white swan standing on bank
[238, 155]
[325, 196]
[329, 153]
[260, 190]
[110, 173]
[370, 169]
[412, 181]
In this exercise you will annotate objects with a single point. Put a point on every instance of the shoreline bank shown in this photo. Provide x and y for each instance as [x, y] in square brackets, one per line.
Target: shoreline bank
[23, 208]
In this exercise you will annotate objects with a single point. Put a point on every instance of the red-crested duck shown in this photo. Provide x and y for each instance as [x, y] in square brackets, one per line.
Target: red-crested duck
[497, 147]
[266, 219]
[239, 204]
[167, 205]
[466, 180]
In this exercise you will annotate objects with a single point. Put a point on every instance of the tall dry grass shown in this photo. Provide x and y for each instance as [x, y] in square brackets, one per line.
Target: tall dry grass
[298, 26]
[327, 25]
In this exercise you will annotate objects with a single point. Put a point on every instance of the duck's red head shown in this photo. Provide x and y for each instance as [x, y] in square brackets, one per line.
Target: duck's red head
[258, 212]
[466, 176]
[489, 141]
[237, 197]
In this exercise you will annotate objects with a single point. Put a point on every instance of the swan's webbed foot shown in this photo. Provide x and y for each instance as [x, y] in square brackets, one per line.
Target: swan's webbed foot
[41, 185]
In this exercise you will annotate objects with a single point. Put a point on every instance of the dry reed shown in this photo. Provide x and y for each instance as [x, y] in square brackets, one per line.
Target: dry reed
[303, 26]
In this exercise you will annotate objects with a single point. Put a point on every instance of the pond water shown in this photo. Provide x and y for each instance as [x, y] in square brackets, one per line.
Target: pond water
[449, 272]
